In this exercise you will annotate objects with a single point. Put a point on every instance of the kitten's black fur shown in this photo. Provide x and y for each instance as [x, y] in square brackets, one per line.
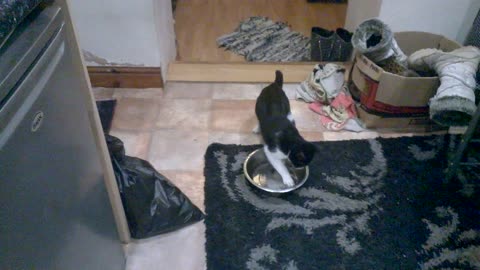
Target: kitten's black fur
[279, 132]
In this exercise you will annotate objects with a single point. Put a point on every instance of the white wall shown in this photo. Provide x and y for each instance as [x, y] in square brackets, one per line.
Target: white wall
[451, 18]
[125, 32]
[361, 10]
[468, 20]
[164, 23]
[446, 17]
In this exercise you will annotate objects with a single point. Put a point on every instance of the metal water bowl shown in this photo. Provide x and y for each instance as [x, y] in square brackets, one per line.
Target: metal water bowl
[261, 174]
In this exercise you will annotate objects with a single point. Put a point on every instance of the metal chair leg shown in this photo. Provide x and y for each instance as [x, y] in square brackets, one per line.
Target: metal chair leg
[466, 139]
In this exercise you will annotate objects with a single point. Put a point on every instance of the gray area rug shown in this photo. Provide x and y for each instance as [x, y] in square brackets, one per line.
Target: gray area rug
[260, 39]
[368, 204]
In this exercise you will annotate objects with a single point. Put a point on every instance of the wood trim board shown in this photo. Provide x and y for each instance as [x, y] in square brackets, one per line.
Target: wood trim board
[125, 77]
[239, 72]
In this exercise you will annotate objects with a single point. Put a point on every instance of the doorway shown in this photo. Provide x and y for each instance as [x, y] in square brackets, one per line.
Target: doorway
[198, 23]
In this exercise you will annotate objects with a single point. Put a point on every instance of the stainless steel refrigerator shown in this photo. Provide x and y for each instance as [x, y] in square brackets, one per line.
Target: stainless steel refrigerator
[54, 208]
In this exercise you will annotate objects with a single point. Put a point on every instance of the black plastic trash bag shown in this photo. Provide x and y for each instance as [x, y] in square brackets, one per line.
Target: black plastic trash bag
[152, 204]
[106, 109]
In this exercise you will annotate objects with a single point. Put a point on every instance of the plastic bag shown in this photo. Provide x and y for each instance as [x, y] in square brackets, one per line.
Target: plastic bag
[106, 109]
[152, 204]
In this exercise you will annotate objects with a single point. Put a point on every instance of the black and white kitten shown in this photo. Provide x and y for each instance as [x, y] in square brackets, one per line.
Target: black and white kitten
[277, 126]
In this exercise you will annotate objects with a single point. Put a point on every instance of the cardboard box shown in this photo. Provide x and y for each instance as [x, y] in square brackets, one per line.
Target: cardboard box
[384, 92]
[379, 121]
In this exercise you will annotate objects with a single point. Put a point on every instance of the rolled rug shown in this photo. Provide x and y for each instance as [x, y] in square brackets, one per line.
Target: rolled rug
[374, 39]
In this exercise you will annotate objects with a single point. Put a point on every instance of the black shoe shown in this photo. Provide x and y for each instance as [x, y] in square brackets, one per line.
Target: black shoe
[322, 42]
[342, 47]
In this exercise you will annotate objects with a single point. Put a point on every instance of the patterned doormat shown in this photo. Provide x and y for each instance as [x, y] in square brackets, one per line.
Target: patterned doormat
[260, 39]
[368, 204]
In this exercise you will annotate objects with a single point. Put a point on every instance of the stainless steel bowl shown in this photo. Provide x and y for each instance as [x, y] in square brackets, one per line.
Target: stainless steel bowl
[260, 173]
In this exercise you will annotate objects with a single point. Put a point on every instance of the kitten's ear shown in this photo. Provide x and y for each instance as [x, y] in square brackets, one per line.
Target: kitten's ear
[311, 148]
[300, 156]
[279, 78]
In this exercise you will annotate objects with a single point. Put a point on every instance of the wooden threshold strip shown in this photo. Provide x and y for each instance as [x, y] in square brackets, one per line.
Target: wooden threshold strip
[239, 72]
[125, 77]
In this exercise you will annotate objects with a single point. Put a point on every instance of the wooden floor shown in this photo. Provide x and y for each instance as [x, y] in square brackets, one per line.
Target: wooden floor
[198, 23]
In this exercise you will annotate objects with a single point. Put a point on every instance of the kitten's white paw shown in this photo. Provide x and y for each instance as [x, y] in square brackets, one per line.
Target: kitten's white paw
[288, 181]
[256, 129]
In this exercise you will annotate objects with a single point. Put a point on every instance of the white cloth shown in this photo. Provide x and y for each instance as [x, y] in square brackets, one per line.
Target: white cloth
[323, 84]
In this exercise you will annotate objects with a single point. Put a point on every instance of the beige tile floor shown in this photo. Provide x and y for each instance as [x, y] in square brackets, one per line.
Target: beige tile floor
[172, 128]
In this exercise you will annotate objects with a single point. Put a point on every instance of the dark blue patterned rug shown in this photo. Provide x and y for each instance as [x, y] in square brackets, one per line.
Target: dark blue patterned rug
[368, 204]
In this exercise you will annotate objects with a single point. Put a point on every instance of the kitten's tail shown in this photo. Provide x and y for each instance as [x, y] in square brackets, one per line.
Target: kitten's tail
[279, 78]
